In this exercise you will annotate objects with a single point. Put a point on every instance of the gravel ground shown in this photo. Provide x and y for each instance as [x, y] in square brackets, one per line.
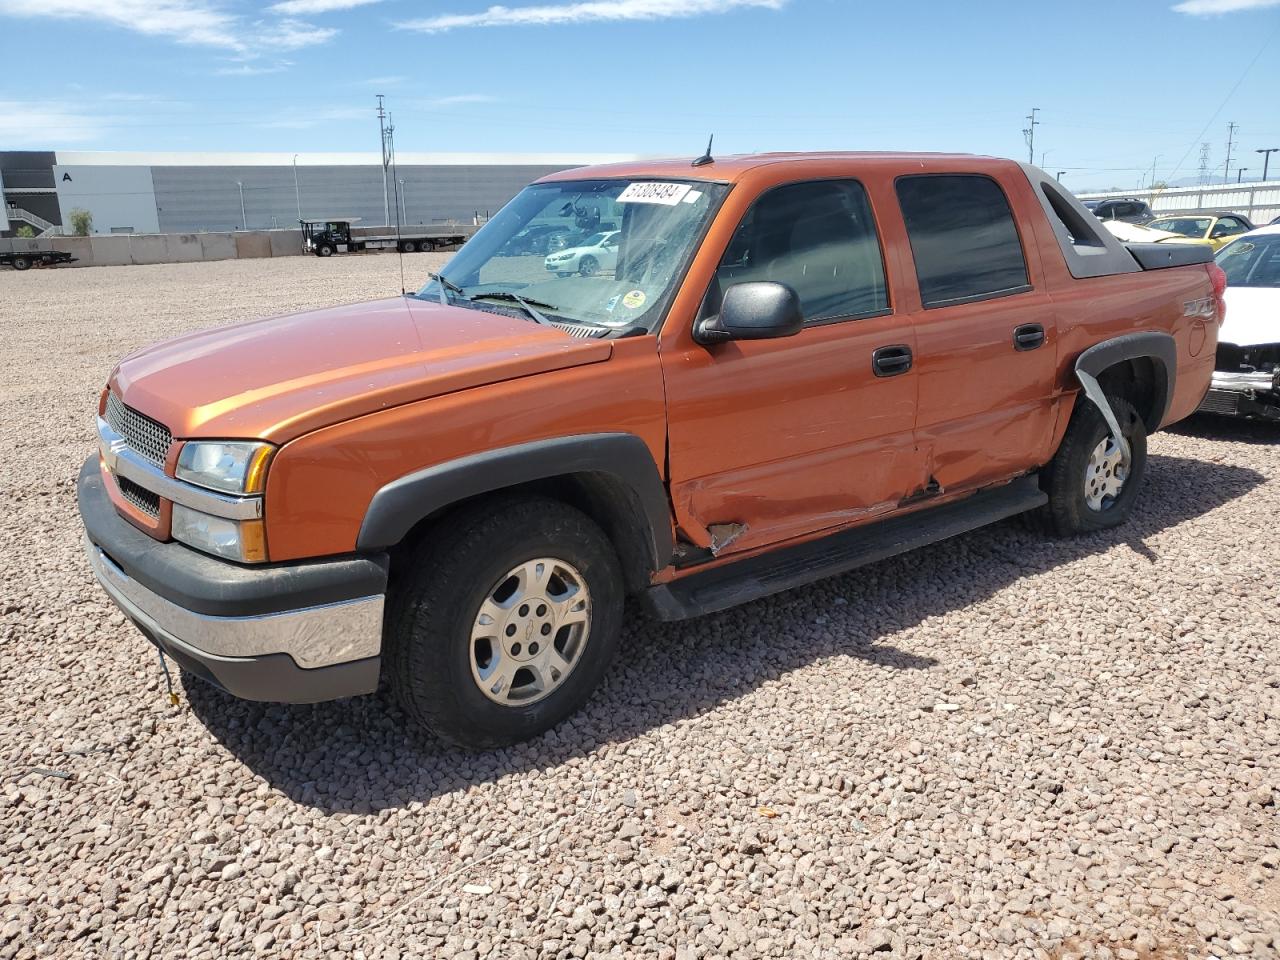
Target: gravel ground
[1000, 746]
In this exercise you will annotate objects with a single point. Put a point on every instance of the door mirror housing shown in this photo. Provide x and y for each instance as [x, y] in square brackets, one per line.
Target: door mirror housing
[756, 310]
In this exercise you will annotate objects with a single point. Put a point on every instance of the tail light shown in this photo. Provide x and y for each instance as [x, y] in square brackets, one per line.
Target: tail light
[1218, 277]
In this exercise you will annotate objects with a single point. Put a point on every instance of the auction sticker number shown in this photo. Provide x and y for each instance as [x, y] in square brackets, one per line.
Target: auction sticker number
[667, 194]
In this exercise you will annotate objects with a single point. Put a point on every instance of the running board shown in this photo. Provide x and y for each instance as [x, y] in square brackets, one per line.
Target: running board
[770, 573]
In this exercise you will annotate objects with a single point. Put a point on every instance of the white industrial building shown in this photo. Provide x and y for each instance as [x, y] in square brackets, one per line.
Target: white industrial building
[149, 192]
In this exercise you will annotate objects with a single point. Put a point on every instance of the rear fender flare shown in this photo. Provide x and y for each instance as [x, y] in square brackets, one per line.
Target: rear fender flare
[1160, 348]
[397, 507]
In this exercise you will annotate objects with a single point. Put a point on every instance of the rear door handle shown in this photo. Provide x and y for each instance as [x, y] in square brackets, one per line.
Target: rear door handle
[891, 361]
[1028, 336]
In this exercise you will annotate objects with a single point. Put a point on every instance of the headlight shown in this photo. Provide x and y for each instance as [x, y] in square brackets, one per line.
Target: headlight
[228, 466]
[242, 540]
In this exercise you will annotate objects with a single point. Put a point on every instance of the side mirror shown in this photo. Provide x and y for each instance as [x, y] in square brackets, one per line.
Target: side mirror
[756, 310]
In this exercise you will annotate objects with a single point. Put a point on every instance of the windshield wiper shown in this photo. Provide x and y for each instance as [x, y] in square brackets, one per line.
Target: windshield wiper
[447, 286]
[530, 306]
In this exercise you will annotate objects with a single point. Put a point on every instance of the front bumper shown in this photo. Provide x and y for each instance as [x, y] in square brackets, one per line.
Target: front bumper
[286, 633]
[1243, 394]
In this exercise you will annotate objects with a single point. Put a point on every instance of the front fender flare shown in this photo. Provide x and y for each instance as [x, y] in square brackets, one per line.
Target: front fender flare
[399, 505]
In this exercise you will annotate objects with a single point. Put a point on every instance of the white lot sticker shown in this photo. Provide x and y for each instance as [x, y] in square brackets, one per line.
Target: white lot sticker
[667, 194]
[693, 196]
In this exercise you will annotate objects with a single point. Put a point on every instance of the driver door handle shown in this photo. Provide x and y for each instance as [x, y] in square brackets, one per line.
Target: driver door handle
[891, 361]
[1028, 336]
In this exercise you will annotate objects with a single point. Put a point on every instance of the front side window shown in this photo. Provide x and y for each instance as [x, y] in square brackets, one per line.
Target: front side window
[963, 238]
[819, 238]
[1195, 227]
[603, 254]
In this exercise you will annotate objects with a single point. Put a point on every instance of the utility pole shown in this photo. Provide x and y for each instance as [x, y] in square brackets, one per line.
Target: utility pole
[1030, 133]
[1231, 137]
[297, 196]
[1266, 160]
[1156, 160]
[244, 224]
[386, 161]
[404, 208]
[1204, 164]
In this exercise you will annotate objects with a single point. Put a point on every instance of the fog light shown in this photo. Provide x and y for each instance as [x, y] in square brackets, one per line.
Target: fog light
[242, 540]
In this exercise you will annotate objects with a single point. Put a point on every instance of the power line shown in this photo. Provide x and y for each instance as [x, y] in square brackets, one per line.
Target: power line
[1231, 135]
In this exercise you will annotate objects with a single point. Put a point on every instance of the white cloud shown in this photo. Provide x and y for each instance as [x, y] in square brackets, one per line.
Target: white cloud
[382, 82]
[254, 69]
[198, 22]
[1205, 8]
[461, 98]
[305, 7]
[584, 12]
[38, 124]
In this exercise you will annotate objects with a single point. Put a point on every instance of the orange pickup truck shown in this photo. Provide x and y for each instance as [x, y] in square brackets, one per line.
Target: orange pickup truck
[722, 380]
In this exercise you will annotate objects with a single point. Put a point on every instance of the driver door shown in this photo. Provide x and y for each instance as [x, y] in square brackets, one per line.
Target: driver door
[775, 439]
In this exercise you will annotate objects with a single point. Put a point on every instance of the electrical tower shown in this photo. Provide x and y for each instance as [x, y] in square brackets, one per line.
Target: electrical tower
[1231, 139]
[1204, 164]
[1029, 132]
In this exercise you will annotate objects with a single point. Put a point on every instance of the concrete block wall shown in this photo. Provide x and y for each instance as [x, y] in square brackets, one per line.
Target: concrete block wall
[139, 248]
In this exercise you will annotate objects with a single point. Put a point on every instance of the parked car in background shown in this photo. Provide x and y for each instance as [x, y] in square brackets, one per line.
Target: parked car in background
[593, 254]
[1215, 229]
[787, 366]
[538, 239]
[1137, 233]
[1246, 378]
[1128, 209]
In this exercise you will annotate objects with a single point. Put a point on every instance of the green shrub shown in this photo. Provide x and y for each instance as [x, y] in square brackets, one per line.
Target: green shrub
[81, 222]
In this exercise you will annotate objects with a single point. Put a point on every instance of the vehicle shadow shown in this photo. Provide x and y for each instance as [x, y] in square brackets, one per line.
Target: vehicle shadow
[1206, 426]
[361, 755]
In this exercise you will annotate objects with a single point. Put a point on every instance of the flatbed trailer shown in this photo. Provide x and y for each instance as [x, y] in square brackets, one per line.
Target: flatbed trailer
[26, 259]
[333, 235]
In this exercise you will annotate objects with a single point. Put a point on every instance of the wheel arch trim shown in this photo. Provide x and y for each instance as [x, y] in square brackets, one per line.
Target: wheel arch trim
[1160, 348]
[399, 505]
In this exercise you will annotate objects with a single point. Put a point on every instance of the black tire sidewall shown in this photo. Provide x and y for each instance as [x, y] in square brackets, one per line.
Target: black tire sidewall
[1067, 494]
[433, 674]
[21, 263]
[588, 266]
[324, 250]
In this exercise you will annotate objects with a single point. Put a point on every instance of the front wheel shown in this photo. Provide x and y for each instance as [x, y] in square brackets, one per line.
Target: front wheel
[1091, 484]
[324, 250]
[21, 263]
[504, 622]
[588, 266]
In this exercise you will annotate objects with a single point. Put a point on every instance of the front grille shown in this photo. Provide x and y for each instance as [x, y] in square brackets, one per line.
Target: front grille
[144, 435]
[140, 497]
[1221, 401]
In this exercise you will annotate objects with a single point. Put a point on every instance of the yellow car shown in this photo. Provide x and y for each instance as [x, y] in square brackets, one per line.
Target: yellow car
[1214, 229]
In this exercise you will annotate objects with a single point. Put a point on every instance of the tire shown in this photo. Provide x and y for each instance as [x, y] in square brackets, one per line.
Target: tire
[438, 650]
[410, 247]
[324, 250]
[1080, 474]
[22, 263]
[588, 266]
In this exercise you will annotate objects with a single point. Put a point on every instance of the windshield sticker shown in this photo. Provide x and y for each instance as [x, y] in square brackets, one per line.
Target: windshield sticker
[667, 194]
[613, 302]
[693, 196]
[634, 300]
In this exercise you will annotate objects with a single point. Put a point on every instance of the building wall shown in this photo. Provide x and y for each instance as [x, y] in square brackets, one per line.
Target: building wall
[27, 178]
[121, 199]
[207, 198]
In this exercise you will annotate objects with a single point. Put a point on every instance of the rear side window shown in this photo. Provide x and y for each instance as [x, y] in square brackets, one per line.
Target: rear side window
[819, 238]
[963, 238]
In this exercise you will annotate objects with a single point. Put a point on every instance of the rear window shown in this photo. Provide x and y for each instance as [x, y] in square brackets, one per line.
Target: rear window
[963, 238]
[1252, 261]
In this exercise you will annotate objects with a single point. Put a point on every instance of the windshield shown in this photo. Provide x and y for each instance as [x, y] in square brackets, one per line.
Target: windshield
[603, 253]
[1183, 226]
[1251, 261]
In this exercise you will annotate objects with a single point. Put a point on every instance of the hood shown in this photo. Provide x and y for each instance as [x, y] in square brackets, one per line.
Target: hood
[1253, 316]
[279, 378]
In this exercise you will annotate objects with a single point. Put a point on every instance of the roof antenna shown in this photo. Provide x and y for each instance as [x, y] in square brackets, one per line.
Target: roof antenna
[706, 158]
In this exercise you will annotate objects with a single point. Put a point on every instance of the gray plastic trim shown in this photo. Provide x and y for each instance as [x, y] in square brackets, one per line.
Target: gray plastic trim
[1160, 348]
[1105, 258]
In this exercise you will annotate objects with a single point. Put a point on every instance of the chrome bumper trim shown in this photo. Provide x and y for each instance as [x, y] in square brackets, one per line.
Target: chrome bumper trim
[1250, 382]
[313, 636]
[123, 461]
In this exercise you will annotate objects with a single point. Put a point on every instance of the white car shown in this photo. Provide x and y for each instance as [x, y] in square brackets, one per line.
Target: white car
[1246, 381]
[597, 252]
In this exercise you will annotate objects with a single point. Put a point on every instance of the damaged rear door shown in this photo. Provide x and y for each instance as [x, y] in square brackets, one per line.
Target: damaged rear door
[773, 439]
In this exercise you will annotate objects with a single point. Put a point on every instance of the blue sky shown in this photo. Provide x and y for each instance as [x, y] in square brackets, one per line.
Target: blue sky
[1118, 84]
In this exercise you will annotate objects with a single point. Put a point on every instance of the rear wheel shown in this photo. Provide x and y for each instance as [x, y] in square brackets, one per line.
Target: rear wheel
[1091, 484]
[410, 247]
[22, 263]
[588, 266]
[505, 621]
